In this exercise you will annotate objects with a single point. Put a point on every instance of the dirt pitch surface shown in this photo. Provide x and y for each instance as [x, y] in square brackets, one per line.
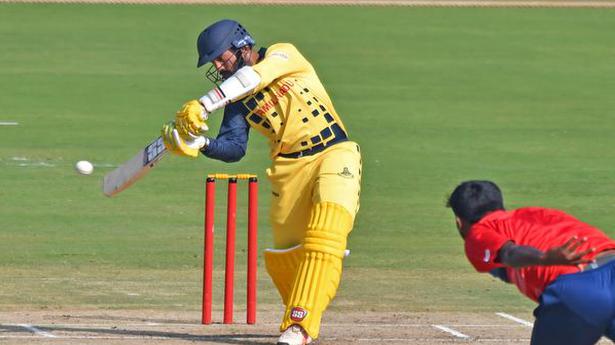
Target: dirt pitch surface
[121, 327]
[134, 327]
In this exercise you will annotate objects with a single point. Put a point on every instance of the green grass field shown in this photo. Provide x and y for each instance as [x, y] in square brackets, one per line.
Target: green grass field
[434, 97]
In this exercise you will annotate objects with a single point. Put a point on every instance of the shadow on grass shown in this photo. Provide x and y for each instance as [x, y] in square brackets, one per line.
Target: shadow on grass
[243, 338]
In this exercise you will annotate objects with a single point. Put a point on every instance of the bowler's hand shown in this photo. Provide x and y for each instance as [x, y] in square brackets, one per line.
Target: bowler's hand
[567, 254]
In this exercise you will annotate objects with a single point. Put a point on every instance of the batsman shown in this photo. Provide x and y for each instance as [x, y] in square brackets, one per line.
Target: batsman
[315, 172]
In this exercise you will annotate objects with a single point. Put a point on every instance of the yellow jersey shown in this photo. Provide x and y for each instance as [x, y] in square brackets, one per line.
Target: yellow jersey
[290, 105]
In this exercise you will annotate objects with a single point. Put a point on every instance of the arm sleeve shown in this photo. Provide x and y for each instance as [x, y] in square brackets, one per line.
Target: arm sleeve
[232, 140]
[280, 60]
[482, 246]
[501, 274]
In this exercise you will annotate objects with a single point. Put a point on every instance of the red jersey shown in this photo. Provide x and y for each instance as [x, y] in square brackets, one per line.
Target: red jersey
[537, 227]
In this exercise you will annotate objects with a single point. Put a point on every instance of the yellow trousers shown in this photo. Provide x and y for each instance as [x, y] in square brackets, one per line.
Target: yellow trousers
[315, 200]
[333, 175]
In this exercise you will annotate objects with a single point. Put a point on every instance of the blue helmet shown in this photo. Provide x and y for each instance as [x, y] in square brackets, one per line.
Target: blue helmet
[220, 36]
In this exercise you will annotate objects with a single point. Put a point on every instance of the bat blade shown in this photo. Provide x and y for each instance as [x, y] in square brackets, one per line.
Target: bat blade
[134, 169]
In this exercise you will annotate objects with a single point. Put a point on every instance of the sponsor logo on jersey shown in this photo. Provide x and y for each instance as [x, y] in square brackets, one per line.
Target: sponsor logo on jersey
[281, 55]
[298, 314]
[345, 173]
[487, 255]
[275, 99]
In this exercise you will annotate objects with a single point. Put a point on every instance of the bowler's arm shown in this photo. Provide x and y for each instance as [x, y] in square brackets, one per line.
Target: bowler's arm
[522, 256]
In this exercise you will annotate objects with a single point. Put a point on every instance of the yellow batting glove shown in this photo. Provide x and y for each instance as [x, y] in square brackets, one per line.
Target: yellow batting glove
[167, 137]
[176, 144]
[190, 119]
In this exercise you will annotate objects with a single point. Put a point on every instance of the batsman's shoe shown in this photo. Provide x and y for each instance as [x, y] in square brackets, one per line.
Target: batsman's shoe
[294, 335]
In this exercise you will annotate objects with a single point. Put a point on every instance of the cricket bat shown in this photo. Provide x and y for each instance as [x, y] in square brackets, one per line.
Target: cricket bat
[132, 170]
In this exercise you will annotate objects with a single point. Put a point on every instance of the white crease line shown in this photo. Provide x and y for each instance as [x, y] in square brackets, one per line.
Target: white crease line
[386, 340]
[515, 319]
[412, 340]
[451, 331]
[85, 337]
[9, 123]
[36, 330]
[36, 164]
[502, 340]
[125, 337]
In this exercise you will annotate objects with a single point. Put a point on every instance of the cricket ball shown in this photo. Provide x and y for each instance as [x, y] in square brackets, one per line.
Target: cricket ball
[84, 167]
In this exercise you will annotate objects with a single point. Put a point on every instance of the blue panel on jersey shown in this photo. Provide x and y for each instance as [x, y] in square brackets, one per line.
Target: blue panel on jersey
[328, 117]
[251, 103]
[325, 133]
[243, 109]
[255, 118]
[338, 131]
[318, 147]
